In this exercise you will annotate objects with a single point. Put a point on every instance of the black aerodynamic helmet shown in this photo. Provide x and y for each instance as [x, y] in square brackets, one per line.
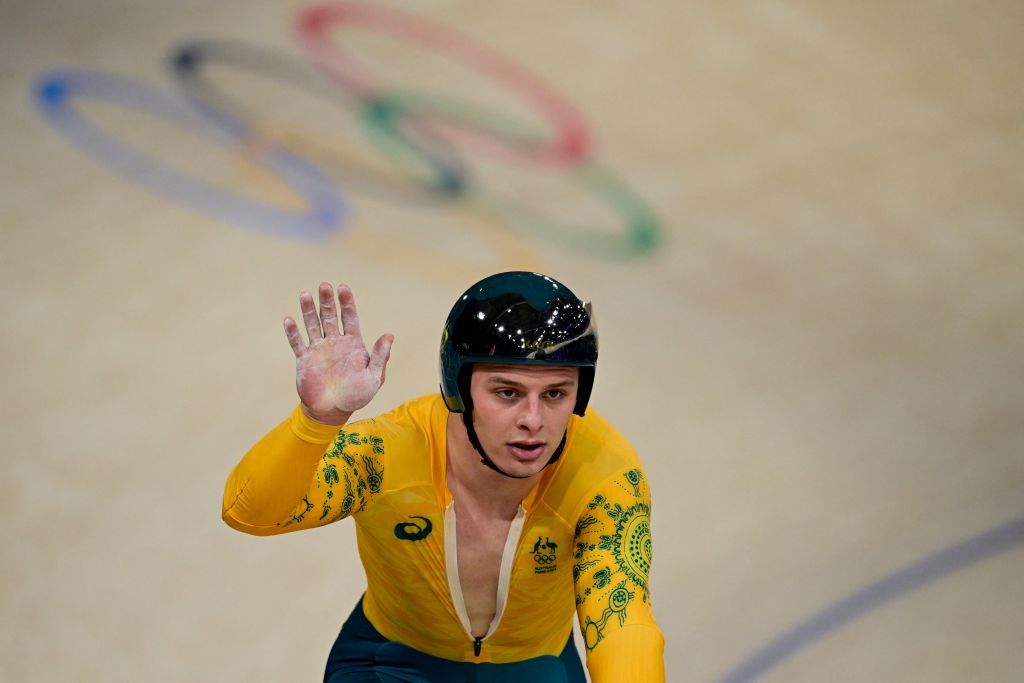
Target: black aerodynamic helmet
[517, 318]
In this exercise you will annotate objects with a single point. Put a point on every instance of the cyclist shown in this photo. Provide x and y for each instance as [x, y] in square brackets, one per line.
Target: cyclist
[486, 514]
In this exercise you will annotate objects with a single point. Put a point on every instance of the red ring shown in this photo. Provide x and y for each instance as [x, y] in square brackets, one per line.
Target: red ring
[572, 140]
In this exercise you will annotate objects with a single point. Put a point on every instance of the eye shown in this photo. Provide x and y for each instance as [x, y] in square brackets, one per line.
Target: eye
[506, 393]
[555, 394]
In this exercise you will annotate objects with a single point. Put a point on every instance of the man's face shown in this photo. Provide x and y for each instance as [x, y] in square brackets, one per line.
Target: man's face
[520, 412]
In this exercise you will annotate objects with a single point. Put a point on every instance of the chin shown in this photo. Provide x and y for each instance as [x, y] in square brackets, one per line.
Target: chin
[530, 469]
[520, 468]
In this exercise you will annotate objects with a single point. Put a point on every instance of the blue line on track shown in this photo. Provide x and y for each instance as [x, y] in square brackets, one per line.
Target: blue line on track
[932, 568]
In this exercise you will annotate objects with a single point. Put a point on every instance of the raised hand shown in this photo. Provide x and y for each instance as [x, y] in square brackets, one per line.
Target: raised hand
[334, 374]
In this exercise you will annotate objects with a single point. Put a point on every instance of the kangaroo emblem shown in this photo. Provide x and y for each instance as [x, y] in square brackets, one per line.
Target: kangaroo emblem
[544, 555]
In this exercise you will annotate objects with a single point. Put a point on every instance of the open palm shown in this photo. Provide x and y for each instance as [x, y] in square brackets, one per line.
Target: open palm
[334, 373]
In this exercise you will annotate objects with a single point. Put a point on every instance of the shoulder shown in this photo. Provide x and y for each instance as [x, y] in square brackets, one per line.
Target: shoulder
[418, 416]
[598, 448]
[597, 458]
[409, 436]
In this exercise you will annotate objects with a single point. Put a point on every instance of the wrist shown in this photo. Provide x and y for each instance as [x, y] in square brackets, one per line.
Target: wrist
[332, 418]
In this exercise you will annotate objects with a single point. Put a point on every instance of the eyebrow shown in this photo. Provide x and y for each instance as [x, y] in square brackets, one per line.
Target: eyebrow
[498, 379]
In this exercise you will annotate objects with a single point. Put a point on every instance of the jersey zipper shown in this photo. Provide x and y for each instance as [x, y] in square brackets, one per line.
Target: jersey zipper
[451, 559]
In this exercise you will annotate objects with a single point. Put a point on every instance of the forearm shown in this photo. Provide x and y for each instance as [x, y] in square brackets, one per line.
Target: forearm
[268, 483]
[634, 653]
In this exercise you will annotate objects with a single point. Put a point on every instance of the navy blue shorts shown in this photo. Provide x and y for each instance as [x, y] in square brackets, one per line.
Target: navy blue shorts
[362, 655]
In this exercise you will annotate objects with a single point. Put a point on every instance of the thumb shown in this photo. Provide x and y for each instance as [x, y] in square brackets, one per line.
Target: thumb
[380, 355]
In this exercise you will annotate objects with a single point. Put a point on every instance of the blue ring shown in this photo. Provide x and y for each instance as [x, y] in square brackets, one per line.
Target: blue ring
[325, 210]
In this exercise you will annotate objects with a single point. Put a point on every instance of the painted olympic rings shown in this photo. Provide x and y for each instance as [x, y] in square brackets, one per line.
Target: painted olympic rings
[445, 173]
[640, 236]
[570, 142]
[56, 91]
[425, 135]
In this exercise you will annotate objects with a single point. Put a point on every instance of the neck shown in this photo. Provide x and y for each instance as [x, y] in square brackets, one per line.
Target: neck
[471, 482]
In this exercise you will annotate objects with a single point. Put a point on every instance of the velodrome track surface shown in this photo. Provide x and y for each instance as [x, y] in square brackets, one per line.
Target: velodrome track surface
[802, 229]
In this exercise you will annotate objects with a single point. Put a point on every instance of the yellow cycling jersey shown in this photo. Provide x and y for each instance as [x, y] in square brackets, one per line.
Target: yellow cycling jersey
[581, 540]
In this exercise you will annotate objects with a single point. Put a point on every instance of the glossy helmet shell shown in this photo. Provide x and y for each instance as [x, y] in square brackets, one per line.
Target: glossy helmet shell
[517, 318]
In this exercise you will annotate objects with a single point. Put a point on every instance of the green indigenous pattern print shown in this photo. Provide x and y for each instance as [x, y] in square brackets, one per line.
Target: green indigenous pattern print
[348, 476]
[612, 554]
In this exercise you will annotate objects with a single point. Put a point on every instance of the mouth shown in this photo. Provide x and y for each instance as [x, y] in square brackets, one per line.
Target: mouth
[527, 451]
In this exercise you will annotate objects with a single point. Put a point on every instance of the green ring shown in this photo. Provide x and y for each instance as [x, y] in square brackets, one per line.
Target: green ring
[642, 233]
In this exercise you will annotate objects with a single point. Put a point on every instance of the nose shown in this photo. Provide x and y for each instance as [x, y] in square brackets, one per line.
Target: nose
[530, 417]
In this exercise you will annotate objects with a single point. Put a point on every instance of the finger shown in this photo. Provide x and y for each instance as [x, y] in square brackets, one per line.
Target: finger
[349, 314]
[291, 330]
[309, 317]
[328, 312]
[380, 355]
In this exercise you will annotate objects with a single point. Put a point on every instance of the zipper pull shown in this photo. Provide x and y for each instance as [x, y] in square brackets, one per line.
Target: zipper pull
[477, 644]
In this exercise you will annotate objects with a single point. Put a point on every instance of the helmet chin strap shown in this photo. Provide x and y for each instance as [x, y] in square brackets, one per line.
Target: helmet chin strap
[467, 418]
